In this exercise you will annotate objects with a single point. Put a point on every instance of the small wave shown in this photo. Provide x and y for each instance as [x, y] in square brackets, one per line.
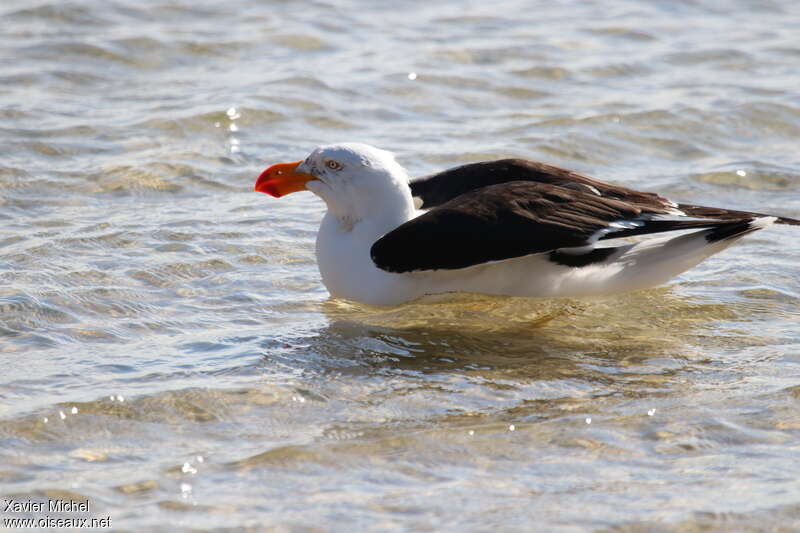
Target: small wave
[60, 12]
[753, 175]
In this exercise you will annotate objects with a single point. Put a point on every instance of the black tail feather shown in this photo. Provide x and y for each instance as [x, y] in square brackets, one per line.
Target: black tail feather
[729, 214]
[735, 228]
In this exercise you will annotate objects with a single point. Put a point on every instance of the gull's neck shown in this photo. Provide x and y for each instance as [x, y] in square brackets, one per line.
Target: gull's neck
[382, 211]
[393, 209]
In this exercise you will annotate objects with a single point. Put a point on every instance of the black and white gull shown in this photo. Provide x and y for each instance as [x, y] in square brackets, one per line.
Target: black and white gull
[507, 227]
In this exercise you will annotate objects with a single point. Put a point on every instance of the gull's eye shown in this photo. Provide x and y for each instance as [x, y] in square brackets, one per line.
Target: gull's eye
[333, 165]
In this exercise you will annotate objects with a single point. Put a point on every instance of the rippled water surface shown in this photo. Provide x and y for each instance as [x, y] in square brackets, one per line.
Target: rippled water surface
[168, 351]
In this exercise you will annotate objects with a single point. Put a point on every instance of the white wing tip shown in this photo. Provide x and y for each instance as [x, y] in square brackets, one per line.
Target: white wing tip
[762, 222]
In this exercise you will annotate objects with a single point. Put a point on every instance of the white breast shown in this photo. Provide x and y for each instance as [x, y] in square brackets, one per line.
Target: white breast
[348, 271]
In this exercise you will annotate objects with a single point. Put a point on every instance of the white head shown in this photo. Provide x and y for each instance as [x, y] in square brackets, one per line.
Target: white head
[355, 180]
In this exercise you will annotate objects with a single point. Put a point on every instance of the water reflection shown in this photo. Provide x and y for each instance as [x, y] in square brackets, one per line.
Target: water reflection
[485, 356]
[518, 333]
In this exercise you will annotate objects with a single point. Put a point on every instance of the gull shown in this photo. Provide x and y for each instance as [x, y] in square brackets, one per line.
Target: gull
[506, 227]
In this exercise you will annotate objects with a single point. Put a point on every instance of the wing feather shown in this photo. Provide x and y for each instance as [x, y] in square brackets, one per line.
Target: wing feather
[436, 189]
[496, 223]
[515, 219]
[497, 210]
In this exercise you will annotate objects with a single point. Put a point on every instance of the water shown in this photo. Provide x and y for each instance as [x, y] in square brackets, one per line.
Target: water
[170, 355]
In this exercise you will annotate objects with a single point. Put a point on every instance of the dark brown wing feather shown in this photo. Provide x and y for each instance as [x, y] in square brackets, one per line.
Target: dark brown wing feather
[509, 220]
[729, 214]
[436, 189]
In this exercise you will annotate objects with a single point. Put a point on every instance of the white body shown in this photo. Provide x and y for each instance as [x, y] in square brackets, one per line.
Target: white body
[348, 272]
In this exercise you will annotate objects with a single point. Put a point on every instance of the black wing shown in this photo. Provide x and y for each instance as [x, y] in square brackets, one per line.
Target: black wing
[511, 220]
[436, 189]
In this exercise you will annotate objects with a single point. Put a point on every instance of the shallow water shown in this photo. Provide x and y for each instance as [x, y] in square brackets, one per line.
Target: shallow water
[170, 355]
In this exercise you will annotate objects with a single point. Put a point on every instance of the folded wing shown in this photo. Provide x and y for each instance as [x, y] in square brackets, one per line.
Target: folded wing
[514, 219]
[435, 189]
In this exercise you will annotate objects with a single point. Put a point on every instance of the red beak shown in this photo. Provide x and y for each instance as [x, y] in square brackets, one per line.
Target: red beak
[281, 179]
